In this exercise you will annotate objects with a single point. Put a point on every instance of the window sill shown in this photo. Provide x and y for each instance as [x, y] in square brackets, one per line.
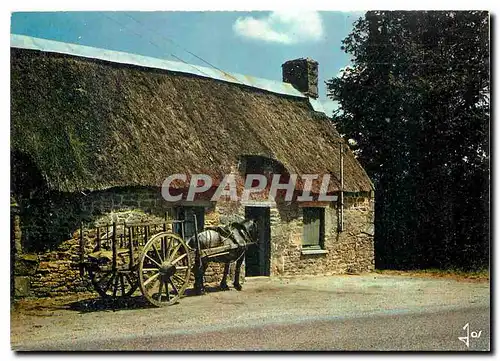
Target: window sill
[314, 251]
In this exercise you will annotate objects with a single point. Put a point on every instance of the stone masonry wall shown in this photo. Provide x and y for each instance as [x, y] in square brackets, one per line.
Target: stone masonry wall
[55, 272]
[349, 251]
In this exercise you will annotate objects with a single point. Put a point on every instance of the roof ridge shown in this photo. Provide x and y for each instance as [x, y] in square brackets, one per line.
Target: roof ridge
[54, 46]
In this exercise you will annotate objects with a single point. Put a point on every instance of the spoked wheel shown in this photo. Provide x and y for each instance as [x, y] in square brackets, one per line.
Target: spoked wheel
[164, 269]
[116, 284]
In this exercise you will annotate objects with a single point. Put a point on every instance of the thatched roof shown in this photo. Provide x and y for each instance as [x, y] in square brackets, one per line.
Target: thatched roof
[90, 124]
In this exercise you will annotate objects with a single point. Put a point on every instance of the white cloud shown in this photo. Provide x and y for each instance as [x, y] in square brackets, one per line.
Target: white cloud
[282, 27]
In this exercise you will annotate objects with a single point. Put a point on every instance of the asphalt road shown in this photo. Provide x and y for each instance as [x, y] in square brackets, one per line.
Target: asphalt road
[360, 313]
[435, 331]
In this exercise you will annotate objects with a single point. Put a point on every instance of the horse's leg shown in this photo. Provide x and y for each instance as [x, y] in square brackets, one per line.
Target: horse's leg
[199, 272]
[236, 282]
[204, 266]
[223, 283]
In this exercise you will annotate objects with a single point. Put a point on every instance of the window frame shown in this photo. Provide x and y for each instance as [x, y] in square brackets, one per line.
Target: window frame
[180, 214]
[320, 217]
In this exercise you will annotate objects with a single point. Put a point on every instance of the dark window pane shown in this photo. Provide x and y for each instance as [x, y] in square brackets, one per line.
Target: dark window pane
[186, 214]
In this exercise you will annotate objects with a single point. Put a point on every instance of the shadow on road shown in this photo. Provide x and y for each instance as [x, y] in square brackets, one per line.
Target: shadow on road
[124, 303]
[109, 304]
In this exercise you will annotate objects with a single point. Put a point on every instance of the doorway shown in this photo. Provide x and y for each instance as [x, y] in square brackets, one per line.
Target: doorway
[258, 256]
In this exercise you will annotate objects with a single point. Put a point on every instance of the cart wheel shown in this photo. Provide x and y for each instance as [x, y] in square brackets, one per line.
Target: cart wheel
[164, 269]
[111, 284]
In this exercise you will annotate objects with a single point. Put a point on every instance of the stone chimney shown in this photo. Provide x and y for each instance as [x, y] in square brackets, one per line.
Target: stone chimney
[303, 75]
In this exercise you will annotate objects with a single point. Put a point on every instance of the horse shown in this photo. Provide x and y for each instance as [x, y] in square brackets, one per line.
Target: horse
[242, 234]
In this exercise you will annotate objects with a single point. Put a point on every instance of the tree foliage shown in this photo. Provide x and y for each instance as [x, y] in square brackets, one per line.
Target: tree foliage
[416, 103]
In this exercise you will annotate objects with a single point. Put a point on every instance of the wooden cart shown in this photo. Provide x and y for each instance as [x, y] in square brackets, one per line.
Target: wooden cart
[119, 258]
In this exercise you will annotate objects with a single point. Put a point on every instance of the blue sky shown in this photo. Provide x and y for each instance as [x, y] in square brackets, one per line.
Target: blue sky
[251, 43]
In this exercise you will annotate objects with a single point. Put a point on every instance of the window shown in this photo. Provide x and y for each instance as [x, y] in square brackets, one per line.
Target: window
[314, 227]
[186, 214]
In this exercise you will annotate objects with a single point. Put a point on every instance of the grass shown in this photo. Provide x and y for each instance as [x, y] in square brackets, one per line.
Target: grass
[459, 275]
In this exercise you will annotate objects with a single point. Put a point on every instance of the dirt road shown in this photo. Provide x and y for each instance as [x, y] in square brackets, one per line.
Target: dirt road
[323, 303]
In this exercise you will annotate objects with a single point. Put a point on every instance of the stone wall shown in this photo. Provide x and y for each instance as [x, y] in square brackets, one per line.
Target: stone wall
[55, 272]
[348, 251]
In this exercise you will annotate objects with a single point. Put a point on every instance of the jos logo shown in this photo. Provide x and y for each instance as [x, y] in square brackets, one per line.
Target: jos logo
[473, 334]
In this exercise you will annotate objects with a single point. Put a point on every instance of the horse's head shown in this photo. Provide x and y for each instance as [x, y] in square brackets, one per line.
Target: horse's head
[250, 226]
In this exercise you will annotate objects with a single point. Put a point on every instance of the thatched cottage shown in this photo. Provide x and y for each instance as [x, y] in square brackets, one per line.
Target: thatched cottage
[94, 133]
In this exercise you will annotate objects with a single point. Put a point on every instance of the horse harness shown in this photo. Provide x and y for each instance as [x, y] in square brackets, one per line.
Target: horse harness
[236, 233]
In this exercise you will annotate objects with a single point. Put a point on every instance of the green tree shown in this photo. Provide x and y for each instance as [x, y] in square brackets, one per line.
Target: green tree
[416, 102]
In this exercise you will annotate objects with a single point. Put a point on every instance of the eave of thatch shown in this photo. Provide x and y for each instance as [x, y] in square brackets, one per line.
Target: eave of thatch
[92, 125]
